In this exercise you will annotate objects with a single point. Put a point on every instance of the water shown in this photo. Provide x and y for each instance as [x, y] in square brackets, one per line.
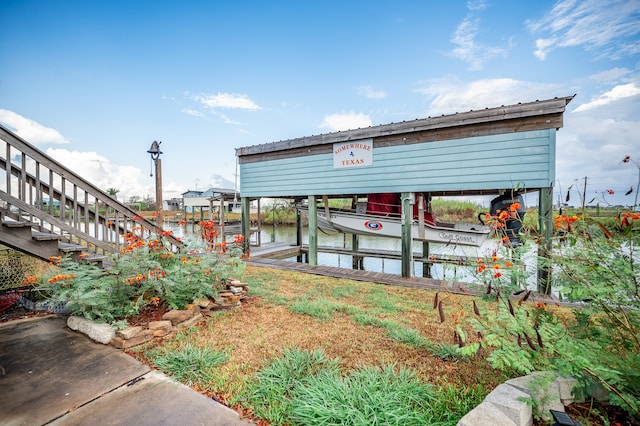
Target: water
[391, 266]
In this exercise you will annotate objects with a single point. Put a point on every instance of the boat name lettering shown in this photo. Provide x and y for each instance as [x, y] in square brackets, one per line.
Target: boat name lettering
[373, 225]
[456, 237]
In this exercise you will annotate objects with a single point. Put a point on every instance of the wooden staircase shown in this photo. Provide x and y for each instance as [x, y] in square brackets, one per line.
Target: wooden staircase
[46, 210]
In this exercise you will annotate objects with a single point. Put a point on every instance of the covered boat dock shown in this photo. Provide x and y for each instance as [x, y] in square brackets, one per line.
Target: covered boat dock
[481, 152]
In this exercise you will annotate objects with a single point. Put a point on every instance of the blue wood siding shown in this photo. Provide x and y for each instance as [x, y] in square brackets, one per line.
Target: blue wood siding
[491, 162]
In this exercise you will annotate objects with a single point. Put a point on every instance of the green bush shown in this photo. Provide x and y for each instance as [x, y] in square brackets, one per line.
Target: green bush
[596, 266]
[145, 272]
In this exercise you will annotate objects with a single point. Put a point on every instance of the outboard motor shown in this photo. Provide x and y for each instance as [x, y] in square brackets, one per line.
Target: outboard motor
[513, 226]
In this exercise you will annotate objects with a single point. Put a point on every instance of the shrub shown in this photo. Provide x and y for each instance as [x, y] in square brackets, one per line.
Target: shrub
[597, 341]
[145, 272]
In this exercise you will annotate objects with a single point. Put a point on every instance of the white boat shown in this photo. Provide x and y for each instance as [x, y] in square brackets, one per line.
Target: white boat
[348, 222]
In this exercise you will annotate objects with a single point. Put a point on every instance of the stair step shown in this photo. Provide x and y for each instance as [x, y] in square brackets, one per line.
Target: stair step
[14, 224]
[69, 247]
[44, 236]
[95, 258]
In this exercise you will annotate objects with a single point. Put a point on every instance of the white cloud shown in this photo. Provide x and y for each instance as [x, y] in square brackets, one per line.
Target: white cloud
[611, 75]
[476, 5]
[193, 112]
[370, 93]
[592, 144]
[613, 95]
[228, 100]
[98, 170]
[468, 49]
[351, 120]
[608, 28]
[29, 130]
[450, 95]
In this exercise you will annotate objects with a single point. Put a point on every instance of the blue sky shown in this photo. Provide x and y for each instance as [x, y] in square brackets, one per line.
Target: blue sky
[95, 83]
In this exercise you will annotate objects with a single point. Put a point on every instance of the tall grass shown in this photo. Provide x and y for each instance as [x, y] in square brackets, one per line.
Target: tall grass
[187, 363]
[307, 388]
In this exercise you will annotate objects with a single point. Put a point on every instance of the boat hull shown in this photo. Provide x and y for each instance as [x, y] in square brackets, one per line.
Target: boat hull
[354, 223]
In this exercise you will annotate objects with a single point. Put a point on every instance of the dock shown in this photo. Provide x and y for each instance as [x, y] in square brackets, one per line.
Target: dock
[271, 255]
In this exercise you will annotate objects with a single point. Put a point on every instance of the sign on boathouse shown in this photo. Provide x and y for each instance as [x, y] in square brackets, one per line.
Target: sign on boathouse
[353, 154]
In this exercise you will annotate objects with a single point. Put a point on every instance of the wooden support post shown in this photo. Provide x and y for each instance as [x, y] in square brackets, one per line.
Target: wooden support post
[407, 218]
[220, 217]
[357, 261]
[426, 266]
[259, 237]
[298, 234]
[246, 225]
[313, 231]
[545, 222]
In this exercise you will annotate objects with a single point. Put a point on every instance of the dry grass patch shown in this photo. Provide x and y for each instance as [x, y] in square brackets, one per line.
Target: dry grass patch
[350, 321]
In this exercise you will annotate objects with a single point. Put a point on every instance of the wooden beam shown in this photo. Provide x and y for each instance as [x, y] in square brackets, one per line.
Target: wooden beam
[313, 231]
[407, 218]
[545, 222]
[246, 225]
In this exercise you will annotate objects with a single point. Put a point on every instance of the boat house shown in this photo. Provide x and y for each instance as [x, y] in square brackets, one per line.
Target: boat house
[479, 152]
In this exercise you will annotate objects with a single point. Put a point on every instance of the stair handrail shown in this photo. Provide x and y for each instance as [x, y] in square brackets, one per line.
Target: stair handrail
[125, 218]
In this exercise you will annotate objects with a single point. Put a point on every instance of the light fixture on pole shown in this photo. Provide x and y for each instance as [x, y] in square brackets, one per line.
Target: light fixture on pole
[155, 156]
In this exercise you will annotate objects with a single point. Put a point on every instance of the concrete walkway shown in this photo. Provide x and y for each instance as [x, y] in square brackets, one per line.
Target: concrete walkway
[55, 376]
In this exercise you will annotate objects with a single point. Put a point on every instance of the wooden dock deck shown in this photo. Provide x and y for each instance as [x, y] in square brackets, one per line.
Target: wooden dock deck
[270, 255]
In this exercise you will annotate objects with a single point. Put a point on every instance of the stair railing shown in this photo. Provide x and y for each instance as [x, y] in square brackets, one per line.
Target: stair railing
[52, 198]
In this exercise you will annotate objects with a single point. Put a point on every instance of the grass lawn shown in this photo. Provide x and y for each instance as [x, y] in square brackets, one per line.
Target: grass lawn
[334, 333]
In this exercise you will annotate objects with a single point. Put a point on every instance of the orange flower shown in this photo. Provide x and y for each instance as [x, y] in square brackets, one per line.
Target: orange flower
[515, 207]
[30, 280]
[508, 264]
[497, 275]
[60, 277]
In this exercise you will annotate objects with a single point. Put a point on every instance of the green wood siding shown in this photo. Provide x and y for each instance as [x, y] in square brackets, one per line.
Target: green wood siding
[490, 162]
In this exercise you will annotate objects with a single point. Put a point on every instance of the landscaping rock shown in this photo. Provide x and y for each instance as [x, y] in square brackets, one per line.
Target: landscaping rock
[192, 307]
[142, 337]
[188, 323]
[566, 386]
[201, 302]
[512, 402]
[160, 328]
[99, 332]
[486, 414]
[547, 398]
[178, 316]
[129, 332]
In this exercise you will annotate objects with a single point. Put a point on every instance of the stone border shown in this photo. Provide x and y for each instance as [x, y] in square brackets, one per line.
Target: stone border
[507, 404]
[172, 321]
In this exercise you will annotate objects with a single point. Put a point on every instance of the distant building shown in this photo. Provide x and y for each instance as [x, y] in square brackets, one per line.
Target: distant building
[210, 199]
[174, 204]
